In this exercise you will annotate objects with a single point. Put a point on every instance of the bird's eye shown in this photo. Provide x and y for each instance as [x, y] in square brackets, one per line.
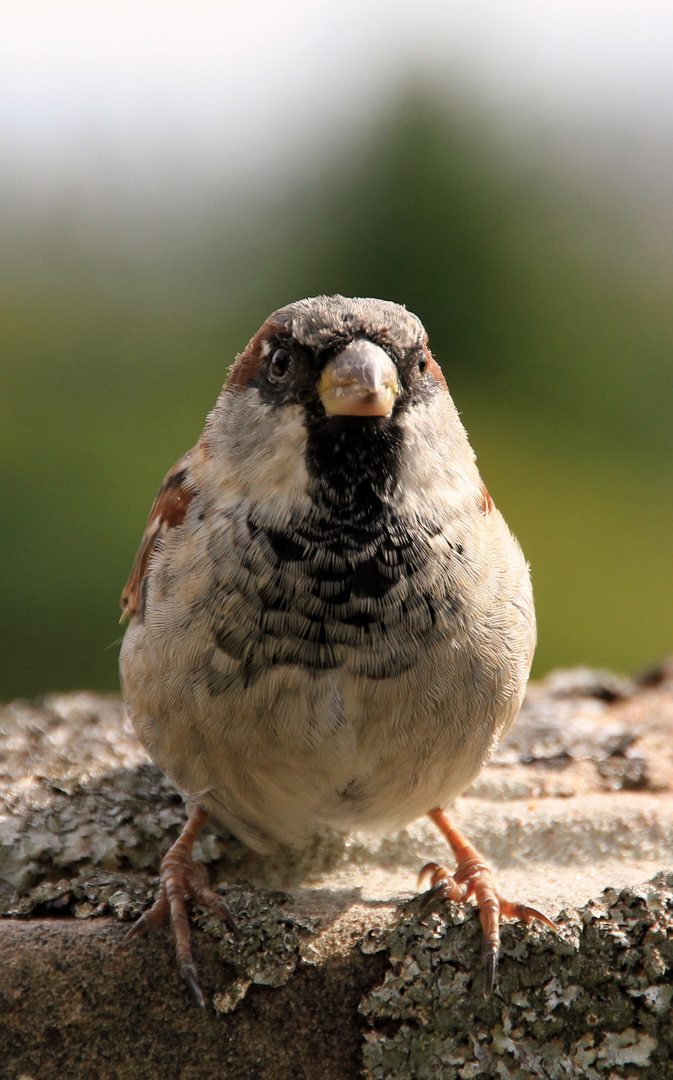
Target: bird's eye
[422, 365]
[280, 362]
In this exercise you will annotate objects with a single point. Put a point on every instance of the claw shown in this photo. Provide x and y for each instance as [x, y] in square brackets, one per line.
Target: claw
[432, 894]
[230, 921]
[150, 919]
[210, 899]
[189, 975]
[525, 914]
[491, 968]
[141, 926]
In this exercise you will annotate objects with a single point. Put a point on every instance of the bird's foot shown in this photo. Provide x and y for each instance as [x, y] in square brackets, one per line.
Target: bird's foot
[180, 876]
[473, 878]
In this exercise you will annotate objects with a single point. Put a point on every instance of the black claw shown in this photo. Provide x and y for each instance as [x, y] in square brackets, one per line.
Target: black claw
[233, 925]
[491, 968]
[226, 914]
[432, 894]
[189, 975]
[137, 930]
[221, 909]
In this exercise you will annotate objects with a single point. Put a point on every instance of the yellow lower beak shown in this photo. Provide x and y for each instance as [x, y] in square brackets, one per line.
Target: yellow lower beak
[360, 381]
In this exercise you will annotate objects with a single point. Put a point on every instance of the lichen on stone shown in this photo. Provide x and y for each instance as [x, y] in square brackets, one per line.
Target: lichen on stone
[272, 943]
[589, 1002]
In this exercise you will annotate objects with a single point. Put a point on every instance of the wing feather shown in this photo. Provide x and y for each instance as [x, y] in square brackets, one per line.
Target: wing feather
[168, 510]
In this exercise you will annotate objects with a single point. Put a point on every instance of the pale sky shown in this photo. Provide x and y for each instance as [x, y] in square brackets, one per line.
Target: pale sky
[242, 82]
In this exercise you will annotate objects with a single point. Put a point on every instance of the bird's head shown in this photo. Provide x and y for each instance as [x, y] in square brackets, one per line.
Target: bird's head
[350, 357]
[330, 384]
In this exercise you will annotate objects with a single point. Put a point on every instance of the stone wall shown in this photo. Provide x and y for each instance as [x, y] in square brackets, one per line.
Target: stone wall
[341, 973]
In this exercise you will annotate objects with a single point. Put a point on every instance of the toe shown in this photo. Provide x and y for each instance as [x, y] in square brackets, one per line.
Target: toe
[525, 914]
[150, 919]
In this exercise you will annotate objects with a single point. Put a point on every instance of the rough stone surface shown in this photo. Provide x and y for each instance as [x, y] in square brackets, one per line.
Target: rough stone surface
[341, 972]
[593, 1002]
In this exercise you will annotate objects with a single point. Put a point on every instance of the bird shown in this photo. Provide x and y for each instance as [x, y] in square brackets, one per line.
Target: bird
[330, 624]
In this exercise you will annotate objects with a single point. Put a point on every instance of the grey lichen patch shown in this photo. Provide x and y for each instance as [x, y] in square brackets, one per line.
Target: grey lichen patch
[117, 821]
[593, 1002]
[274, 940]
[78, 796]
[90, 894]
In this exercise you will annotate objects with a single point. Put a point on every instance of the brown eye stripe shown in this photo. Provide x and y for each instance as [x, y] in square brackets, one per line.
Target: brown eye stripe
[249, 362]
[433, 367]
[487, 501]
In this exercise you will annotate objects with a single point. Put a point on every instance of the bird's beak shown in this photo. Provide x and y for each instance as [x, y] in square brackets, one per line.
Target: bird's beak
[360, 381]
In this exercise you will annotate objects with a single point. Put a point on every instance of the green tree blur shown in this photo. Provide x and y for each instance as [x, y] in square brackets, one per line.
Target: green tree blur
[551, 319]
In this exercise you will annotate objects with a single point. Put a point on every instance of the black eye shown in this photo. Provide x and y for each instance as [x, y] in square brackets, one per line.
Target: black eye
[422, 364]
[280, 362]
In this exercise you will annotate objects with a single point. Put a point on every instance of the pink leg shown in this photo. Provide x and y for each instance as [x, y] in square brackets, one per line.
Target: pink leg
[472, 877]
[181, 876]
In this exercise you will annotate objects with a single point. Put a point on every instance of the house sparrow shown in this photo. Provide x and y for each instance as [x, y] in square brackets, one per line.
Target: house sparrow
[330, 622]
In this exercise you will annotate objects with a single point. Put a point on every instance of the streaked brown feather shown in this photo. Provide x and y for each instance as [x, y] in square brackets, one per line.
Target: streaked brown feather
[168, 510]
[433, 369]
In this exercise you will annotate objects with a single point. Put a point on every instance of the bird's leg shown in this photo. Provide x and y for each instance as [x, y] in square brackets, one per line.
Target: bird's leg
[181, 875]
[472, 877]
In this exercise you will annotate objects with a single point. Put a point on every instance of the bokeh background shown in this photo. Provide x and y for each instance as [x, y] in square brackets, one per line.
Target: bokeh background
[171, 173]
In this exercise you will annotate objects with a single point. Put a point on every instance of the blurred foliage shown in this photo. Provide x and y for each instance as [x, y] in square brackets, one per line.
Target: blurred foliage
[551, 320]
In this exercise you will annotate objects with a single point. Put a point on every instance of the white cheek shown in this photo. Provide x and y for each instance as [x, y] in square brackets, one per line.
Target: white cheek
[438, 461]
[262, 449]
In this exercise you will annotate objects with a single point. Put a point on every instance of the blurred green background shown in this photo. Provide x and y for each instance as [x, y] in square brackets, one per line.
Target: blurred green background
[549, 310]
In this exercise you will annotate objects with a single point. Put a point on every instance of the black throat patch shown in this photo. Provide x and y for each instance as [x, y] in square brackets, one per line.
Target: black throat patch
[353, 465]
[350, 584]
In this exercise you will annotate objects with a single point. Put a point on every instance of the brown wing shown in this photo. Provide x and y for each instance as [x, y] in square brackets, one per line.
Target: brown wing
[168, 510]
